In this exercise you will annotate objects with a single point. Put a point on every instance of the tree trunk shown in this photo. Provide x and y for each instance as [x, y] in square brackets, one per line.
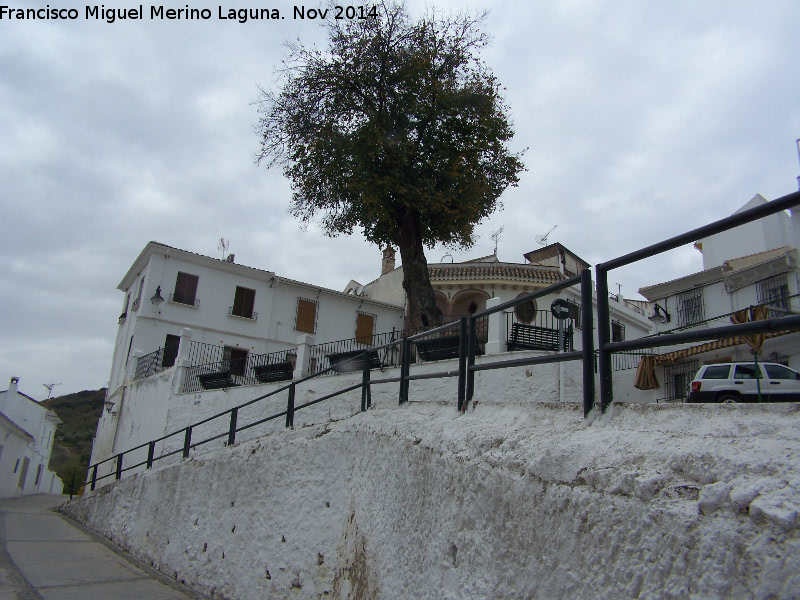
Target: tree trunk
[422, 309]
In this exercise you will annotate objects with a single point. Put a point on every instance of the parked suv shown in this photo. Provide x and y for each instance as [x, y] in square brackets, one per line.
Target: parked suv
[739, 382]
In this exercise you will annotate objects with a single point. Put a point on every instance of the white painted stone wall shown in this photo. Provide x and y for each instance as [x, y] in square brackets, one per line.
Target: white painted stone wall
[507, 501]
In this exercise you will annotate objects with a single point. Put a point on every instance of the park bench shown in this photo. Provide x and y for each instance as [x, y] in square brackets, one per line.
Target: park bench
[348, 362]
[531, 337]
[279, 371]
[216, 380]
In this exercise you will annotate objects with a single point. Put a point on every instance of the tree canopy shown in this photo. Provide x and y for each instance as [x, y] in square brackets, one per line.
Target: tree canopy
[397, 127]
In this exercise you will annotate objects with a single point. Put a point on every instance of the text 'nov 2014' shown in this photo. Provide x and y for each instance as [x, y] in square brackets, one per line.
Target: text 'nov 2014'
[187, 13]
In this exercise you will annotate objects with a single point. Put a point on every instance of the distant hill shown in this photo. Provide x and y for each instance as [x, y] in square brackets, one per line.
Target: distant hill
[73, 444]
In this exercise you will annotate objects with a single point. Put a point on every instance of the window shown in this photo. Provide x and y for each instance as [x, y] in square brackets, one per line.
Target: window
[746, 372]
[171, 345]
[234, 360]
[16, 466]
[125, 308]
[185, 289]
[774, 292]
[365, 326]
[717, 372]
[526, 311]
[690, 307]
[23, 473]
[575, 313]
[617, 331]
[139, 296]
[243, 302]
[778, 372]
[306, 319]
[38, 475]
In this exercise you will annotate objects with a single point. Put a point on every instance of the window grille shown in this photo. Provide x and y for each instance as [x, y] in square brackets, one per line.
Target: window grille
[774, 292]
[691, 310]
[365, 327]
[526, 311]
[306, 319]
[678, 379]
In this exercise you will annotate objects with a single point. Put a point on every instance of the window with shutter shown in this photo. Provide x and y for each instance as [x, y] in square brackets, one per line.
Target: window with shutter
[185, 289]
[306, 316]
[243, 302]
[171, 346]
[365, 326]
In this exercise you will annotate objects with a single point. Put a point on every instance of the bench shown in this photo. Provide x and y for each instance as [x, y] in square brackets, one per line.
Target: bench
[216, 380]
[531, 337]
[441, 348]
[348, 362]
[280, 371]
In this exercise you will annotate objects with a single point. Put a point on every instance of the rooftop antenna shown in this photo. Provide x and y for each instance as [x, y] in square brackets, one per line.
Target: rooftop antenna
[496, 237]
[50, 387]
[223, 246]
[542, 239]
[797, 141]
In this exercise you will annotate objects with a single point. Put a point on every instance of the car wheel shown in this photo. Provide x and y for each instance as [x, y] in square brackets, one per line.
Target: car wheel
[729, 399]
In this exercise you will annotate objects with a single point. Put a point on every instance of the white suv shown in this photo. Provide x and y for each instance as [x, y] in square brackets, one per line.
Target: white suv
[740, 382]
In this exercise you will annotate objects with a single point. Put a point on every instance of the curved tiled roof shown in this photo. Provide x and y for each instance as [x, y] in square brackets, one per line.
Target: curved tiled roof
[493, 271]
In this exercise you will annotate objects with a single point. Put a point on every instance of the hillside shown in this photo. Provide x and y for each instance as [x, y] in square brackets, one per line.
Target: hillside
[73, 444]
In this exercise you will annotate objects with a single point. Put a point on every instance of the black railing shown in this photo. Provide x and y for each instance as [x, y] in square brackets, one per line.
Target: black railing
[214, 367]
[469, 333]
[338, 354]
[149, 363]
[606, 348]
[539, 330]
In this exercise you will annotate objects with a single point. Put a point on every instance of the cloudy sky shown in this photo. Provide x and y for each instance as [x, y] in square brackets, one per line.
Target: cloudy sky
[641, 119]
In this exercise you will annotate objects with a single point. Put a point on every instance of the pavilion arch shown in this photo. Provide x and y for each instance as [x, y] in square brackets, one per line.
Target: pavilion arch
[467, 302]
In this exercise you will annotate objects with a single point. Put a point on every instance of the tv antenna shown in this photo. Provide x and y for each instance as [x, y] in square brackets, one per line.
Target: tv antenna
[223, 246]
[496, 237]
[50, 387]
[542, 239]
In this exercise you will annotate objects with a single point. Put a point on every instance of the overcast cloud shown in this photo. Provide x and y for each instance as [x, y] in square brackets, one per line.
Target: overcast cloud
[641, 119]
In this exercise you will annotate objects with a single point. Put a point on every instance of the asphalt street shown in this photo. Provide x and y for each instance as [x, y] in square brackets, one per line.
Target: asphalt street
[45, 555]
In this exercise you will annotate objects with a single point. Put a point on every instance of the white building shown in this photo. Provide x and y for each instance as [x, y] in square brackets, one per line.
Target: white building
[755, 264]
[27, 430]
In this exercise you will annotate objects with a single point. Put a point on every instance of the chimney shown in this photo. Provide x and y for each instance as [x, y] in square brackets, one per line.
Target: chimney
[388, 261]
[230, 258]
[13, 385]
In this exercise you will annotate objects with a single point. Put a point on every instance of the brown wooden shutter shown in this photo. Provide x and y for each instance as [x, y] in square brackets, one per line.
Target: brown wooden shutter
[243, 302]
[364, 326]
[185, 288]
[306, 316]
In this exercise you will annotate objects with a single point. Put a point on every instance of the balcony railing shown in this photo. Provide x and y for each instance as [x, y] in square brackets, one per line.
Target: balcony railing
[149, 363]
[179, 299]
[213, 367]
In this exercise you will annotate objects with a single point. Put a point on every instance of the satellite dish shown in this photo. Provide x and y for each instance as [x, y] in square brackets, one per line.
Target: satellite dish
[542, 239]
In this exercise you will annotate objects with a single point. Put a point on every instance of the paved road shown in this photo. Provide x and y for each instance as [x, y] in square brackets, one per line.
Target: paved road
[45, 556]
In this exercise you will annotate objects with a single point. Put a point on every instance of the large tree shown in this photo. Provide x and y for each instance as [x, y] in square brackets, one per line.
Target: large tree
[397, 127]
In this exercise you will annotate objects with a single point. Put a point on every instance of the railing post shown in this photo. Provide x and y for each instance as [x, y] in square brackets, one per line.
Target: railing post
[462, 363]
[187, 442]
[587, 341]
[497, 335]
[94, 477]
[302, 366]
[290, 407]
[151, 451]
[232, 430]
[603, 338]
[182, 362]
[366, 395]
[405, 362]
[119, 467]
[471, 343]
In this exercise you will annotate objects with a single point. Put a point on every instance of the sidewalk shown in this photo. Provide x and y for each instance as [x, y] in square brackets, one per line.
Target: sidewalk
[44, 555]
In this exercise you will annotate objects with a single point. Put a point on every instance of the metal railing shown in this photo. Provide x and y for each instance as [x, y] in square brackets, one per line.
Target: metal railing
[467, 335]
[206, 360]
[149, 364]
[606, 348]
